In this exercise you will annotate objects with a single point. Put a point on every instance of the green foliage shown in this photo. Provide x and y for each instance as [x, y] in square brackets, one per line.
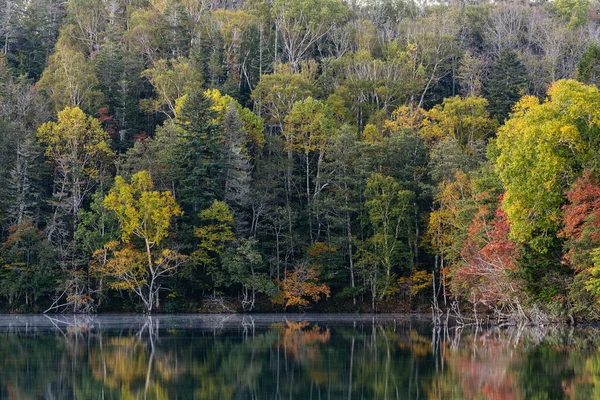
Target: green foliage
[390, 210]
[28, 269]
[171, 79]
[70, 79]
[214, 235]
[588, 70]
[270, 143]
[506, 84]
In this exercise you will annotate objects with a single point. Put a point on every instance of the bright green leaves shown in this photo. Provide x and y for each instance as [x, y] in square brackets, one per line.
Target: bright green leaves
[389, 209]
[215, 233]
[386, 203]
[70, 80]
[141, 211]
[541, 148]
[309, 126]
[171, 80]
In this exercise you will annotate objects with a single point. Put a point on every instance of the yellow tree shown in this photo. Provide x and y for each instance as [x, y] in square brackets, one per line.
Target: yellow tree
[145, 216]
[541, 149]
[80, 150]
[462, 119]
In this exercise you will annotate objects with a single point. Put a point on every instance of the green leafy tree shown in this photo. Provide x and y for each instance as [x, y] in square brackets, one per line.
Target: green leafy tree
[310, 131]
[214, 235]
[28, 267]
[245, 267]
[389, 210]
[588, 69]
[171, 80]
[70, 79]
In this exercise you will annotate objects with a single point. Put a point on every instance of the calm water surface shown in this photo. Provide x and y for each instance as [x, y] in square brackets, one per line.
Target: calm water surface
[290, 357]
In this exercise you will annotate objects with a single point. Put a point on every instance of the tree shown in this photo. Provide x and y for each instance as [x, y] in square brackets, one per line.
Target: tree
[144, 214]
[540, 149]
[28, 268]
[588, 70]
[88, 19]
[581, 221]
[390, 215]
[464, 120]
[310, 131]
[171, 79]
[489, 264]
[244, 265]
[214, 235]
[80, 150]
[22, 193]
[506, 83]
[301, 24]
[70, 79]
[449, 222]
[581, 231]
[300, 285]
[277, 93]
[471, 74]
[195, 156]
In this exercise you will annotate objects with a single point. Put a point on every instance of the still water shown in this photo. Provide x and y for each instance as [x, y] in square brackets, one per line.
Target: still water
[298, 356]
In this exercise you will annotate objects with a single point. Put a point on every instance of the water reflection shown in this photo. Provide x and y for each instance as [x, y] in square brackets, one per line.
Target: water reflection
[298, 357]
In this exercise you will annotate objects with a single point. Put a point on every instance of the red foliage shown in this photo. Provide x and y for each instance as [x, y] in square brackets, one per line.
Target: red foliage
[581, 220]
[140, 137]
[107, 121]
[485, 369]
[488, 256]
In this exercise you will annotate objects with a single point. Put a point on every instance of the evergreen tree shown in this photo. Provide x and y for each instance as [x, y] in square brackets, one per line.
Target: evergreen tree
[199, 179]
[506, 83]
[588, 69]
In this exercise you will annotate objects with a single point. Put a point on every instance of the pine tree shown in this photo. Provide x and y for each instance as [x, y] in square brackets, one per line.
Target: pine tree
[506, 83]
[588, 69]
[198, 156]
[237, 163]
[22, 195]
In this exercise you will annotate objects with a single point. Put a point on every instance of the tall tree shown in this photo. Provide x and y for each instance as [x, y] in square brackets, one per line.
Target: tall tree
[79, 150]
[506, 84]
[390, 215]
[144, 214]
[70, 79]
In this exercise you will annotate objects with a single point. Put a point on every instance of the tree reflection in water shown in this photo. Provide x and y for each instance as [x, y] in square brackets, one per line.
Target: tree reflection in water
[301, 357]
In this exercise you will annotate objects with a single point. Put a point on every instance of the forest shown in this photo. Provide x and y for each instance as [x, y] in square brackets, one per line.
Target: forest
[223, 155]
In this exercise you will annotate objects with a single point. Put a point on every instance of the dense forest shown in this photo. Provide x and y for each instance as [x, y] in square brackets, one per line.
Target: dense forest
[385, 155]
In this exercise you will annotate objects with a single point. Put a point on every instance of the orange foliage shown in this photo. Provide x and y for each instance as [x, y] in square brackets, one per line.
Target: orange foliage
[300, 286]
[582, 221]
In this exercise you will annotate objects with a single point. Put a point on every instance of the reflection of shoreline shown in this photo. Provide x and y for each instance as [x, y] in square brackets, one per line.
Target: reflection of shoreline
[210, 321]
[227, 357]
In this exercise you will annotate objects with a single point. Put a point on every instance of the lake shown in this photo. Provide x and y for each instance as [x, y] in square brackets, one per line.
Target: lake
[293, 356]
